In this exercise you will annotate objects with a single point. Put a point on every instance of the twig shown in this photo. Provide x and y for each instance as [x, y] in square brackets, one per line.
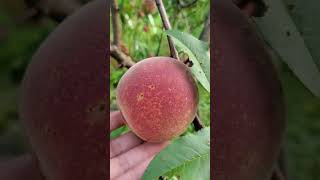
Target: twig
[167, 26]
[123, 59]
[116, 27]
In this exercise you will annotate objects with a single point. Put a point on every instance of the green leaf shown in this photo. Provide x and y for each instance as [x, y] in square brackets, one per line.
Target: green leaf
[198, 53]
[188, 157]
[118, 132]
[285, 38]
[303, 16]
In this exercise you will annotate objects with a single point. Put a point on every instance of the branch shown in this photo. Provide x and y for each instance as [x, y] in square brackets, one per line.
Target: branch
[116, 26]
[167, 26]
[123, 59]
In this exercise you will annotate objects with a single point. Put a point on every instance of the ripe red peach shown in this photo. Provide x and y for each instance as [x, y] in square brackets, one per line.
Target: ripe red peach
[158, 98]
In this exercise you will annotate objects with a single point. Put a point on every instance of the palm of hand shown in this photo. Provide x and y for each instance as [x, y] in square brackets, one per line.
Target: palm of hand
[129, 155]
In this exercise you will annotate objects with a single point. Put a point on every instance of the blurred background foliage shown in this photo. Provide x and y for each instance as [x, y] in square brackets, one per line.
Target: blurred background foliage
[142, 37]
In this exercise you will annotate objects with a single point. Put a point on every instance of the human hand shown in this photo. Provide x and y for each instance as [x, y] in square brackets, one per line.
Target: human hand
[129, 155]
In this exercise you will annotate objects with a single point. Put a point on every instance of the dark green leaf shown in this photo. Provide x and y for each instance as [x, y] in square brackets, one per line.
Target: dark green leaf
[281, 33]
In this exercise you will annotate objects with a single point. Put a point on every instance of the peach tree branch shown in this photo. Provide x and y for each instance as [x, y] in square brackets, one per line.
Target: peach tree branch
[116, 26]
[167, 26]
[123, 59]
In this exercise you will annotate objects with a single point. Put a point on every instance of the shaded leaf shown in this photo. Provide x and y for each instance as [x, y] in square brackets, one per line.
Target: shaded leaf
[303, 14]
[284, 37]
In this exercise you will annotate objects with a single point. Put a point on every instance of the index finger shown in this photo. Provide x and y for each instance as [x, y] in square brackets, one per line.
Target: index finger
[116, 120]
[122, 163]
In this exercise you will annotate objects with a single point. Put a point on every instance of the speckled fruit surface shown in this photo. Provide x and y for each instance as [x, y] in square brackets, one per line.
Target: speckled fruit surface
[63, 97]
[158, 98]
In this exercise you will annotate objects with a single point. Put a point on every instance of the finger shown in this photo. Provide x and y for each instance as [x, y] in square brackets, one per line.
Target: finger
[122, 163]
[116, 120]
[123, 144]
[137, 172]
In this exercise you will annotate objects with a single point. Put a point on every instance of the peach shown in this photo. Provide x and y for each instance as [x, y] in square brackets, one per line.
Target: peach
[158, 98]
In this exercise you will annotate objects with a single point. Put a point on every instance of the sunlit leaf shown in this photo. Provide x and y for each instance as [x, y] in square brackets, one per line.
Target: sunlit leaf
[188, 157]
